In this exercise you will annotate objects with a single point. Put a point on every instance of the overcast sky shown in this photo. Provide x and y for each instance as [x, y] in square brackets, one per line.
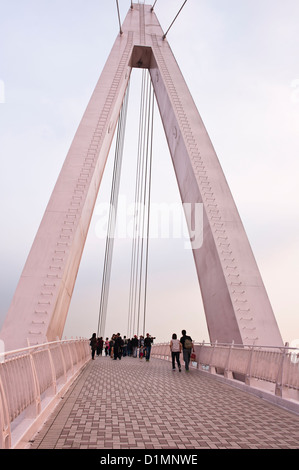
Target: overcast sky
[240, 61]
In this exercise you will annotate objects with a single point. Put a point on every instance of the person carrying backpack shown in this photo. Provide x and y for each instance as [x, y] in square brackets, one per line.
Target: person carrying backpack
[188, 347]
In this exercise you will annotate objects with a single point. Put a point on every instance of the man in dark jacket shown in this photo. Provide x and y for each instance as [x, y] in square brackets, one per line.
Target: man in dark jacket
[148, 344]
[118, 346]
[188, 347]
[134, 343]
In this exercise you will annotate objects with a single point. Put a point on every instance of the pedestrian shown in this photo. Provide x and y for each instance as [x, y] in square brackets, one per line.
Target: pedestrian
[107, 347]
[134, 344]
[111, 344]
[93, 344]
[175, 349]
[129, 347]
[100, 343]
[118, 343]
[141, 347]
[147, 345]
[188, 347]
[125, 347]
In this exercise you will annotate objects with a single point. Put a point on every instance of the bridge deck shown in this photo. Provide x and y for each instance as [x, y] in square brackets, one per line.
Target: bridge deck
[132, 404]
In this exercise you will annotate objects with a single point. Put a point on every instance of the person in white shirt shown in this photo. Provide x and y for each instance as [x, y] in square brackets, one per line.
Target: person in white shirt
[176, 349]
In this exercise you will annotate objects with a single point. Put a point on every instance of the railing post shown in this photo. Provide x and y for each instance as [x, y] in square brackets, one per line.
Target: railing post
[63, 361]
[35, 386]
[249, 366]
[227, 372]
[85, 348]
[213, 368]
[53, 373]
[71, 358]
[77, 355]
[279, 379]
[5, 437]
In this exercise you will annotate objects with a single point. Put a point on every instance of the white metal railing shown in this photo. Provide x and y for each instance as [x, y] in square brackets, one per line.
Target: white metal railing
[32, 376]
[254, 365]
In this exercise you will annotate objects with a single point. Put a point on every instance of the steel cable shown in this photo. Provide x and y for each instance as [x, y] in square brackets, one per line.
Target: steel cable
[139, 257]
[120, 30]
[112, 215]
[164, 36]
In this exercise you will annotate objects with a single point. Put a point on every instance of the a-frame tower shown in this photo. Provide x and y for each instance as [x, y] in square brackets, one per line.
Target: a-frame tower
[235, 301]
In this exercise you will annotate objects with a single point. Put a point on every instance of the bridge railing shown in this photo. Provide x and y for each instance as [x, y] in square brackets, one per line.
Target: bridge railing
[270, 368]
[31, 378]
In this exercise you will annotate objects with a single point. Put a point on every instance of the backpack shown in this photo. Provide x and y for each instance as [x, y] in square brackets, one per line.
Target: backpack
[188, 343]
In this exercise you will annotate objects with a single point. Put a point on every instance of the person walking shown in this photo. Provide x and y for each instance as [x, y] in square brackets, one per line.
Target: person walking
[134, 344]
[176, 349]
[93, 344]
[129, 347]
[141, 347]
[125, 346]
[188, 347]
[107, 347]
[148, 345]
[111, 344]
[118, 343]
[100, 343]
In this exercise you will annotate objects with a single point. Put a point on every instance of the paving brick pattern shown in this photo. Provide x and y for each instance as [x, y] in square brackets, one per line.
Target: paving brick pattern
[133, 404]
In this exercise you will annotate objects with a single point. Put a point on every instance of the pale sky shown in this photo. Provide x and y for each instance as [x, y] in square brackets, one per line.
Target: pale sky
[240, 61]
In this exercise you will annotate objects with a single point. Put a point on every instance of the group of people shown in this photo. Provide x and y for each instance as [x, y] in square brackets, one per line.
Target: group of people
[117, 347]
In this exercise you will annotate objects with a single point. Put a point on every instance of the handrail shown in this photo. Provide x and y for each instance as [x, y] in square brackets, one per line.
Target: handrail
[30, 380]
[272, 368]
[38, 346]
[216, 343]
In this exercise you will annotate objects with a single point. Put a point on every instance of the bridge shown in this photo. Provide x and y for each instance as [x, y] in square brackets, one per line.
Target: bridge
[54, 396]
[242, 389]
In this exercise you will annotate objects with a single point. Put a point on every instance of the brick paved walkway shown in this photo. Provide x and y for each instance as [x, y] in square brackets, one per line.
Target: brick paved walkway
[131, 404]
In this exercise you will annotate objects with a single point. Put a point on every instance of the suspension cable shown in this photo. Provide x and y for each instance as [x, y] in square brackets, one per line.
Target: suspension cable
[145, 201]
[120, 30]
[175, 18]
[131, 313]
[139, 256]
[142, 203]
[137, 211]
[112, 215]
[152, 9]
[148, 210]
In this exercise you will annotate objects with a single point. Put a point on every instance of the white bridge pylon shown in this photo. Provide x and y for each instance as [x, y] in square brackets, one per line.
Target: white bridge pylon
[235, 301]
